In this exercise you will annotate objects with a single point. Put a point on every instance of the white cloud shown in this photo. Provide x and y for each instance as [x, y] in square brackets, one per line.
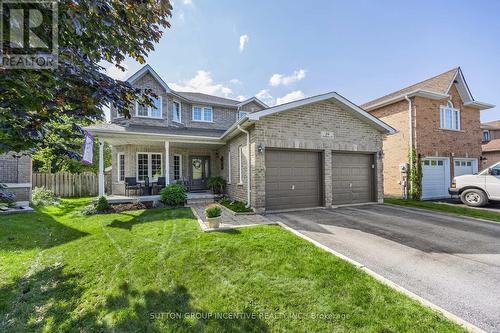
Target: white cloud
[240, 98]
[203, 83]
[278, 79]
[290, 97]
[187, 2]
[115, 72]
[265, 96]
[243, 42]
[235, 81]
[181, 16]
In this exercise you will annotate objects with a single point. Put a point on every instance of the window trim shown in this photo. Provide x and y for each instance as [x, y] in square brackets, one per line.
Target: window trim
[150, 166]
[180, 165]
[442, 117]
[180, 111]
[202, 120]
[489, 135]
[118, 168]
[150, 110]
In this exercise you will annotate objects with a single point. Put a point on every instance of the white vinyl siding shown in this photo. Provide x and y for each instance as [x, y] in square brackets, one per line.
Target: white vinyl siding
[450, 117]
[203, 113]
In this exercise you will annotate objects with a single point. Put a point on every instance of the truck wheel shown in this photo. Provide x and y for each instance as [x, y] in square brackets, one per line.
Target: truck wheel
[474, 198]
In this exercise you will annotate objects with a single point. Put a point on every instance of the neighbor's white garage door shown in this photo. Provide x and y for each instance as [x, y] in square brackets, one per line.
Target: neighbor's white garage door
[464, 166]
[435, 178]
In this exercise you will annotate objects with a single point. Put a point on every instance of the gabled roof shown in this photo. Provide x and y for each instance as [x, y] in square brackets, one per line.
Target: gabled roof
[357, 111]
[148, 69]
[437, 87]
[491, 125]
[255, 100]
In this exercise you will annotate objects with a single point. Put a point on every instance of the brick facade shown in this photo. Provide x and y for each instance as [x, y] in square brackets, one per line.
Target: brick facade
[428, 138]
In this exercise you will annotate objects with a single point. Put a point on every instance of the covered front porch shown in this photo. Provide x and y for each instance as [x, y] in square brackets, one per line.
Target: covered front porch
[197, 197]
[141, 166]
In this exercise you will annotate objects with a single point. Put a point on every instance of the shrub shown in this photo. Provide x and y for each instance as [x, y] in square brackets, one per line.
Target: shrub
[102, 205]
[235, 206]
[6, 196]
[89, 210]
[213, 211]
[173, 195]
[41, 196]
[216, 184]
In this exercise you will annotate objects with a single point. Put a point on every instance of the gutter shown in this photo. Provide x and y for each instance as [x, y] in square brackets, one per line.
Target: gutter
[248, 164]
[410, 127]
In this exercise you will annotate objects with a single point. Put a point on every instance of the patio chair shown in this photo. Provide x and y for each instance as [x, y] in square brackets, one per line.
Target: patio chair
[131, 184]
[160, 183]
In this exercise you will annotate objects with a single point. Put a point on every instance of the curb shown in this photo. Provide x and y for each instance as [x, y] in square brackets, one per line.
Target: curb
[465, 324]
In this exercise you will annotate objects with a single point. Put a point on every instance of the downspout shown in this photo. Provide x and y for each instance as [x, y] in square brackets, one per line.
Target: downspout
[248, 164]
[410, 127]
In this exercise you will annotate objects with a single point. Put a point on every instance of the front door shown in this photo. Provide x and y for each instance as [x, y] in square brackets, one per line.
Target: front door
[200, 171]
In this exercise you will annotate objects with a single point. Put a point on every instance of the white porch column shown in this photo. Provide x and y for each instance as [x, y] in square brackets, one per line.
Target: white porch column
[167, 162]
[101, 167]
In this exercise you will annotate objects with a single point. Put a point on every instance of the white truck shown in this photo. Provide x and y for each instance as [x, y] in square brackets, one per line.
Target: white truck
[478, 189]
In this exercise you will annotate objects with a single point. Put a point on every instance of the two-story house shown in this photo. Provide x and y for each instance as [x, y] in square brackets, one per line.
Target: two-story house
[491, 143]
[318, 151]
[441, 120]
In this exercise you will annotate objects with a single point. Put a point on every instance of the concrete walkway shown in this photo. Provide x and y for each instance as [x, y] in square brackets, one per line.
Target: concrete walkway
[230, 220]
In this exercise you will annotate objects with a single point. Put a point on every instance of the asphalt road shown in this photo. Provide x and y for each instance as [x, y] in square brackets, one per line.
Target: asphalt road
[453, 262]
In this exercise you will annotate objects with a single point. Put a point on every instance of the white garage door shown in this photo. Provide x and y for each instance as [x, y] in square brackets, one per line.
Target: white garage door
[435, 178]
[464, 166]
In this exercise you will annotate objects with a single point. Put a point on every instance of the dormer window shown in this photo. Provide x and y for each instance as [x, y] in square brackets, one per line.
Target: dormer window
[203, 113]
[154, 111]
[449, 117]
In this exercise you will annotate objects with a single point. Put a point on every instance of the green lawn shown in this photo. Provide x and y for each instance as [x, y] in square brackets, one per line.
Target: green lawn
[145, 270]
[446, 208]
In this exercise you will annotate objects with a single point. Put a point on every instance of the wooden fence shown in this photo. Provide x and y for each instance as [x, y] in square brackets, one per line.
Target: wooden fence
[66, 184]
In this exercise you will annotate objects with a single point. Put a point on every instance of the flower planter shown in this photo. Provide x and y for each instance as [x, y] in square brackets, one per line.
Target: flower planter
[214, 222]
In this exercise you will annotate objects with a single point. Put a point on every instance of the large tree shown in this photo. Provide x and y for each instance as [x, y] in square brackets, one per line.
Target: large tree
[35, 103]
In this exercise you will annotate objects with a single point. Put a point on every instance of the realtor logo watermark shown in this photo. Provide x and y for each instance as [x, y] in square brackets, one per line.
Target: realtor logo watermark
[28, 34]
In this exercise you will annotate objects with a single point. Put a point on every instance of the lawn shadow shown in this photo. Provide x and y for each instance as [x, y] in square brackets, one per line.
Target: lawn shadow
[172, 310]
[29, 303]
[39, 230]
[145, 216]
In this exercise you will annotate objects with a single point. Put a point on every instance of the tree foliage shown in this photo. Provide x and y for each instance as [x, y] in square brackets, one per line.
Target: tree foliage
[415, 175]
[47, 108]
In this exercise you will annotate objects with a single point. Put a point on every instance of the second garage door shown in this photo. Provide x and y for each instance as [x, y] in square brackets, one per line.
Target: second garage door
[352, 178]
[293, 179]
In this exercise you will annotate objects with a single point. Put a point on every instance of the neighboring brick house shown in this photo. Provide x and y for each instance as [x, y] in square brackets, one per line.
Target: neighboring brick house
[319, 151]
[16, 175]
[491, 143]
[445, 131]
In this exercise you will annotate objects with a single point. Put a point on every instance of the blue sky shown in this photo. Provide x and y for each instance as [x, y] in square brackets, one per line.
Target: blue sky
[294, 49]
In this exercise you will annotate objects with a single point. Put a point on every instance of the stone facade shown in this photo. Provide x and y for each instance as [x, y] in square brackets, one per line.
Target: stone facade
[428, 138]
[16, 174]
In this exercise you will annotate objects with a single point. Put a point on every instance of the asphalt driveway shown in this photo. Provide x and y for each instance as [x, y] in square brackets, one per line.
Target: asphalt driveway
[453, 262]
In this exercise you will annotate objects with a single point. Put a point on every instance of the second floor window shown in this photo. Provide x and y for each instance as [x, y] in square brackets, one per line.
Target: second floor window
[202, 113]
[486, 136]
[176, 112]
[450, 117]
[149, 111]
[241, 114]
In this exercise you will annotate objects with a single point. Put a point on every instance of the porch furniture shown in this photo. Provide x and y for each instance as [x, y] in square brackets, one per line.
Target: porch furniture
[131, 184]
[160, 183]
[147, 186]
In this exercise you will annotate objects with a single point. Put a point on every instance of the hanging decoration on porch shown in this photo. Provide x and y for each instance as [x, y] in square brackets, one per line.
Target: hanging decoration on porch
[88, 149]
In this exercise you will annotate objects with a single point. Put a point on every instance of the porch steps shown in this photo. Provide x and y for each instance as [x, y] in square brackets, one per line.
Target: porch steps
[200, 198]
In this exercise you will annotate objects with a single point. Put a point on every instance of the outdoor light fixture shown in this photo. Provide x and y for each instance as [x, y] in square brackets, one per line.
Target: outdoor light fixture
[260, 149]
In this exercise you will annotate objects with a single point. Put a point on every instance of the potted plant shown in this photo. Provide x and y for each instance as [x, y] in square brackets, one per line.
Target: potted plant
[216, 184]
[213, 214]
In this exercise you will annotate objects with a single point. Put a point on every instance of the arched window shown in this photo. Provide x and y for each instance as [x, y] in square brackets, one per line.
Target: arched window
[449, 117]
